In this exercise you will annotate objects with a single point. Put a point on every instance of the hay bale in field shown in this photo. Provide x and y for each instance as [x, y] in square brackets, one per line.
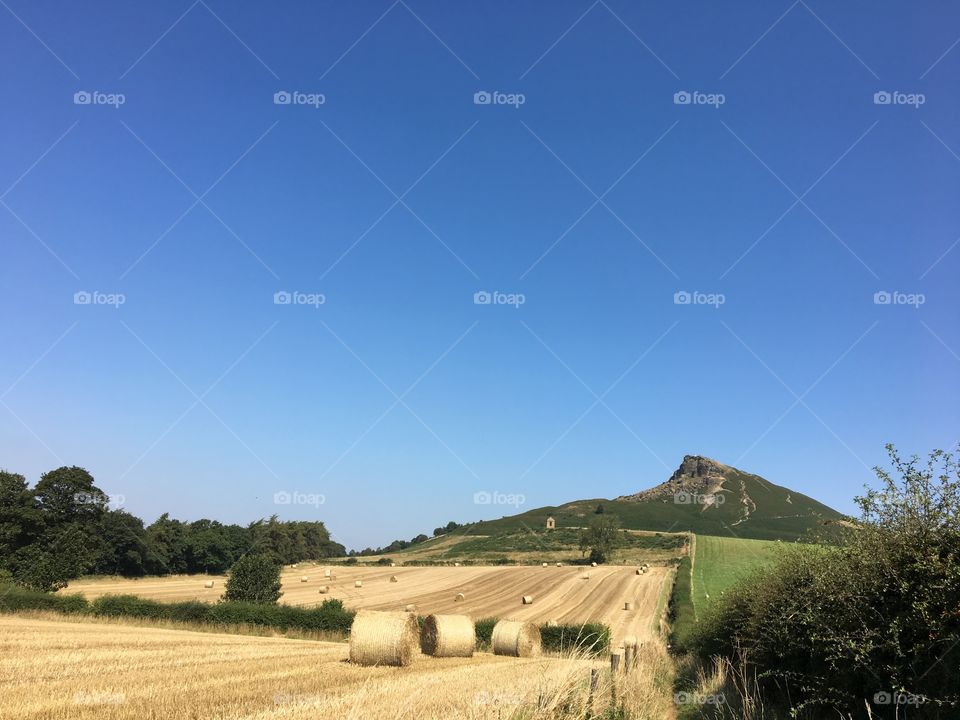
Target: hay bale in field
[393, 578]
[393, 564]
[639, 571]
[324, 589]
[304, 578]
[593, 564]
[628, 605]
[459, 598]
[358, 583]
[456, 564]
[516, 639]
[383, 638]
[326, 573]
[448, 636]
[411, 608]
[585, 576]
[543, 565]
[527, 599]
[208, 584]
[559, 564]
[294, 566]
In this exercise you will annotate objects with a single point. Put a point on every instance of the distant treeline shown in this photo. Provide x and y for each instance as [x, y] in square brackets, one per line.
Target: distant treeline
[398, 545]
[64, 527]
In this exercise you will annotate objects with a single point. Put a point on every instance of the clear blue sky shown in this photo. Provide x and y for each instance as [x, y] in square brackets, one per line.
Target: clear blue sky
[796, 199]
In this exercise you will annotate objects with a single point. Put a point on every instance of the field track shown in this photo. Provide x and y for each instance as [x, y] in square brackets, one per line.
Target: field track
[60, 670]
[559, 593]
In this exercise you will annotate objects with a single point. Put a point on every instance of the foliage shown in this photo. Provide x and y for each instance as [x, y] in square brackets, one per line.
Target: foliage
[64, 528]
[601, 538]
[592, 638]
[874, 617]
[254, 579]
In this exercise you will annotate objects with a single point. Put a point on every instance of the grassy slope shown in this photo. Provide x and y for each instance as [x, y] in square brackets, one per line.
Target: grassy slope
[721, 561]
[781, 514]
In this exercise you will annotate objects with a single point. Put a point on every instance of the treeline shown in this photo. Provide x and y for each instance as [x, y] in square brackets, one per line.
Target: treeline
[398, 545]
[63, 528]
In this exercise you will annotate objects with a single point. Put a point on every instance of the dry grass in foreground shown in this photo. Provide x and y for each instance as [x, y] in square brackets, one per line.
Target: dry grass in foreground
[58, 670]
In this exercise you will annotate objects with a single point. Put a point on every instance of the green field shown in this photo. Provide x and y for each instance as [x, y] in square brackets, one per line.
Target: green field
[720, 561]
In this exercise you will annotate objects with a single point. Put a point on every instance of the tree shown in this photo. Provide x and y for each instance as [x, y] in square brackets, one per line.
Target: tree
[19, 517]
[123, 545]
[601, 538]
[254, 578]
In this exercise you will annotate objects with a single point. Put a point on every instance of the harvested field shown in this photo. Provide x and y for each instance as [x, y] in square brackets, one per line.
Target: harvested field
[85, 670]
[488, 591]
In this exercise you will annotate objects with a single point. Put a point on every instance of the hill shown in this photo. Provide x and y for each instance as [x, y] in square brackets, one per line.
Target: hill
[703, 496]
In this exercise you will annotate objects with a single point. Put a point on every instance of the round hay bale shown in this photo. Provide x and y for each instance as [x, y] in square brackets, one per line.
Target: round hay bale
[324, 589]
[639, 571]
[527, 599]
[383, 638]
[559, 564]
[456, 564]
[628, 605]
[543, 564]
[448, 636]
[393, 578]
[358, 583]
[411, 608]
[459, 598]
[516, 639]
[304, 578]
[593, 564]
[326, 573]
[208, 584]
[393, 564]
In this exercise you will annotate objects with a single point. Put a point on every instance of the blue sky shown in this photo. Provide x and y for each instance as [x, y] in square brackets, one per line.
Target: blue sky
[782, 198]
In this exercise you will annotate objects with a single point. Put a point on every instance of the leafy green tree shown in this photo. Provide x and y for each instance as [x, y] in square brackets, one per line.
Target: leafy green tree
[123, 545]
[167, 546]
[254, 578]
[601, 538]
[19, 517]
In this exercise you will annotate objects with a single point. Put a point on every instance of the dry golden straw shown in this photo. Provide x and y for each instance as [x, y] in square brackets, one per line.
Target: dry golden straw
[358, 583]
[448, 636]
[516, 639]
[628, 606]
[208, 584]
[383, 638]
[304, 578]
[324, 589]
[527, 599]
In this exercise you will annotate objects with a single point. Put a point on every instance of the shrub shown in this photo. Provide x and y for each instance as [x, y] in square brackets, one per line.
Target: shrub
[593, 638]
[254, 579]
[484, 630]
[15, 597]
[127, 606]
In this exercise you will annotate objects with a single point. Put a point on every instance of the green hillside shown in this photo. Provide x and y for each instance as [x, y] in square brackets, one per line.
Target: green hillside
[751, 507]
